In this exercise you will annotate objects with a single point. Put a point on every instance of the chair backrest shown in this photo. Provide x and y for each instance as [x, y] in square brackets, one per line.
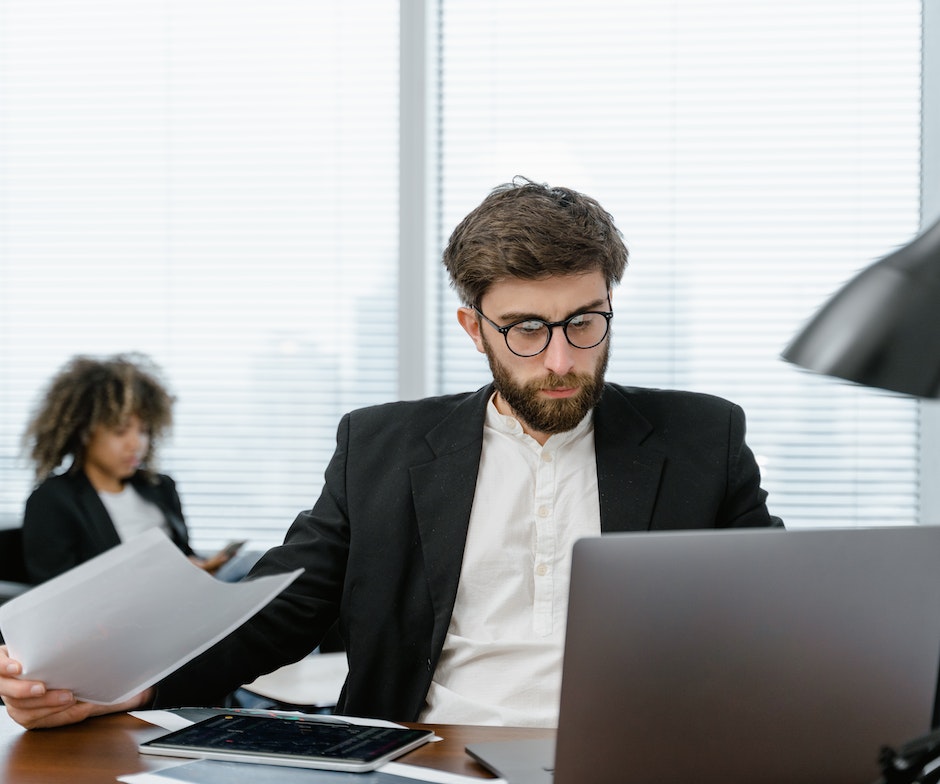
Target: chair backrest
[12, 565]
[13, 577]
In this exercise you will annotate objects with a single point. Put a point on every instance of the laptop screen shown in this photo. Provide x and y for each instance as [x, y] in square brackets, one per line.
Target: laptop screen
[748, 655]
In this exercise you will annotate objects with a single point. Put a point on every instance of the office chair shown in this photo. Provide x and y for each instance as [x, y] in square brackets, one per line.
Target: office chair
[13, 578]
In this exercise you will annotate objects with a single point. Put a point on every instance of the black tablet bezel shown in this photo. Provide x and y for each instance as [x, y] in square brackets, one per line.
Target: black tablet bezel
[190, 741]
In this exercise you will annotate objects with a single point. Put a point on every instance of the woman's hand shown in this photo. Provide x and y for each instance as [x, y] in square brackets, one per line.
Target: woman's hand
[214, 562]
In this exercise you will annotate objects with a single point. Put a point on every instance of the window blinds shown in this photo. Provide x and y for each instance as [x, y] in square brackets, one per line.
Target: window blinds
[212, 183]
[755, 154]
[216, 184]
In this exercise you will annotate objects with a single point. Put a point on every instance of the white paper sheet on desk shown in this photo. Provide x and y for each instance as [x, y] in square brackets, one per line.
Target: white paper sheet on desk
[215, 772]
[118, 623]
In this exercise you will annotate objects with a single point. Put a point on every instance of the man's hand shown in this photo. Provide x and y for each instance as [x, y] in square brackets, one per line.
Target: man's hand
[32, 705]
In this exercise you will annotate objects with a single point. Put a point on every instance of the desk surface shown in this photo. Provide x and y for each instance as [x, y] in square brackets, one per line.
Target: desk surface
[99, 750]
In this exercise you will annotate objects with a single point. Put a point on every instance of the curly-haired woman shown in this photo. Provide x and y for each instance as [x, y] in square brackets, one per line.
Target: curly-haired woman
[105, 416]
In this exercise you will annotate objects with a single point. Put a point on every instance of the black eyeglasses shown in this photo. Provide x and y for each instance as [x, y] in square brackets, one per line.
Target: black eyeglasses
[531, 336]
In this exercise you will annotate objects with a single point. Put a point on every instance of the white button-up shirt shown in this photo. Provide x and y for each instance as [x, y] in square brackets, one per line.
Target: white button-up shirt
[501, 662]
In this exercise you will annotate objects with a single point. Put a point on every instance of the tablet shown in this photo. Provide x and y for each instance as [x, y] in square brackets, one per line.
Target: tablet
[321, 742]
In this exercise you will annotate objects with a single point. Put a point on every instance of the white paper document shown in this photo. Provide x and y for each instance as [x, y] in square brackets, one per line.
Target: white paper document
[118, 623]
[215, 772]
[314, 680]
[177, 718]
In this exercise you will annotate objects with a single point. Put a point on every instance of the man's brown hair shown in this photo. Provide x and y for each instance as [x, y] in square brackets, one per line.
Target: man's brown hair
[529, 230]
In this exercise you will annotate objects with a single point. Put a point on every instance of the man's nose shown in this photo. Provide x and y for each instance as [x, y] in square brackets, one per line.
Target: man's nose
[559, 355]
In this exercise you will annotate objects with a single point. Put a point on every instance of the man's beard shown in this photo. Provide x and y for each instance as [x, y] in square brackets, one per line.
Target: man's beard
[544, 414]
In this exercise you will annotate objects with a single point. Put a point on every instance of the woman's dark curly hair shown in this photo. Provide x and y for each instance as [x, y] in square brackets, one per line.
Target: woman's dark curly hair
[87, 393]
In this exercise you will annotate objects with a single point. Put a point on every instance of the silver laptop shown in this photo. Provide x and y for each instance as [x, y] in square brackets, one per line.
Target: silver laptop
[741, 657]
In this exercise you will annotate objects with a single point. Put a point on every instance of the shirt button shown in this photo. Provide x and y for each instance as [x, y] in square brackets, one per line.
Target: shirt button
[547, 457]
[544, 511]
[541, 570]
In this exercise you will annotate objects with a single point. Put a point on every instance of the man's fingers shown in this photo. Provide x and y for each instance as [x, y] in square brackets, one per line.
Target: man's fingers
[39, 699]
[41, 718]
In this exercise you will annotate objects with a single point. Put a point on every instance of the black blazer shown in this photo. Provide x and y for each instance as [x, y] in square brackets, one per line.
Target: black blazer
[383, 545]
[65, 522]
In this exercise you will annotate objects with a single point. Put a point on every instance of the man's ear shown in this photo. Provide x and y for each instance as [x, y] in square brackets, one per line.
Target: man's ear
[471, 325]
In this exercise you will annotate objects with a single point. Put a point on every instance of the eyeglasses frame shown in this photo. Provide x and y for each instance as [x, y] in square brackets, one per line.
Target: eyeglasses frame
[504, 331]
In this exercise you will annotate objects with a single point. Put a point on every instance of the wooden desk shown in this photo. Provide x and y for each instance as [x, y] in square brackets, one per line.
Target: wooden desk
[100, 749]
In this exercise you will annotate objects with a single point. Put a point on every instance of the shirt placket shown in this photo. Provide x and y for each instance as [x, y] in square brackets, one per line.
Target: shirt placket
[544, 563]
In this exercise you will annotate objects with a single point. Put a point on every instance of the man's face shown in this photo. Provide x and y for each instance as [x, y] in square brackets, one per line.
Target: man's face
[551, 391]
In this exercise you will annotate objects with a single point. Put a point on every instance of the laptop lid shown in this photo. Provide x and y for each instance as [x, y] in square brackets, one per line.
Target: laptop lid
[747, 656]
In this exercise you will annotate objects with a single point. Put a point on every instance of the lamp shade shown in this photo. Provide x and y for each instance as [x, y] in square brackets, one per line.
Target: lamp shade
[882, 329]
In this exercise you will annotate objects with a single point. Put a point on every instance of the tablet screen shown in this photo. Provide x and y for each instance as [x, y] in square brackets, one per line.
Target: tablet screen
[301, 741]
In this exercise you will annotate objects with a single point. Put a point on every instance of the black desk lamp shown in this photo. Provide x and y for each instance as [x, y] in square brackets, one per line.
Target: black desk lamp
[882, 329]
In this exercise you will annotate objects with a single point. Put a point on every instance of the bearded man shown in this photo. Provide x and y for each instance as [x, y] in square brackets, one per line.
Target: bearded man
[442, 539]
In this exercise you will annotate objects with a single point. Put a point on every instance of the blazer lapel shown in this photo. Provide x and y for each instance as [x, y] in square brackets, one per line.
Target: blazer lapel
[628, 474]
[99, 527]
[443, 490]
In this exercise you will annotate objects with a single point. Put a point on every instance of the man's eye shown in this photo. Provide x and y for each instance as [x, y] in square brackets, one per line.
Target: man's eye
[529, 327]
[580, 321]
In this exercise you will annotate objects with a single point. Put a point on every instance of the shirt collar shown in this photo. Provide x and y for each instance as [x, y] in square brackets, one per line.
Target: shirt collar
[508, 424]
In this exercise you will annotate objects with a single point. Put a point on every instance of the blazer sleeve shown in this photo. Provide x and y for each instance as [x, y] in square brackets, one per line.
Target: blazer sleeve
[295, 621]
[745, 502]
